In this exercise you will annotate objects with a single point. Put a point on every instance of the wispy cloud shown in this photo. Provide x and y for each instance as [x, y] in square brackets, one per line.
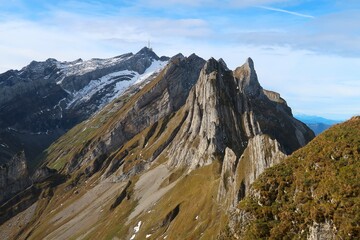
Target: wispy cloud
[211, 3]
[286, 11]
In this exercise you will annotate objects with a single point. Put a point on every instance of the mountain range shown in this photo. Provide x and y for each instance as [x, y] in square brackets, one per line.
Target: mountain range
[43, 100]
[141, 147]
[316, 123]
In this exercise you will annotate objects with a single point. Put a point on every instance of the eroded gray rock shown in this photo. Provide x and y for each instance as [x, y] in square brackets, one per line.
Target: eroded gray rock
[14, 176]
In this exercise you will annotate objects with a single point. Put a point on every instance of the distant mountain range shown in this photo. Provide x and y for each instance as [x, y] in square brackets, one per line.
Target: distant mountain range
[316, 123]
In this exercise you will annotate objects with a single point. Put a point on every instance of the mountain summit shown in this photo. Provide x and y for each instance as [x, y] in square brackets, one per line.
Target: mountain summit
[168, 157]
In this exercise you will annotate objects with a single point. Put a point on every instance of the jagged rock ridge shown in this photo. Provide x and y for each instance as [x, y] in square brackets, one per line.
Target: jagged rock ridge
[229, 112]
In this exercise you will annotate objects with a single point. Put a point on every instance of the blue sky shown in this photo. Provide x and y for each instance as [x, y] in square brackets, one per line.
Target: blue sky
[308, 51]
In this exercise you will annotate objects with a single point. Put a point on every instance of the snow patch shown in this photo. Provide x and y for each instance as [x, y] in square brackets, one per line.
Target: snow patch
[121, 86]
[4, 145]
[80, 67]
[137, 227]
[60, 81]
[12, 129]
[120, 81]
[59, 106]
[136, 230]
[97, 85]
[155, 67]
[148, 235]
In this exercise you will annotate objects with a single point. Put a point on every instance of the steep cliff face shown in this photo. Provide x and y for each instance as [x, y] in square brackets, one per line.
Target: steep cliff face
[238, 174]
[212, 120]
[14, 177]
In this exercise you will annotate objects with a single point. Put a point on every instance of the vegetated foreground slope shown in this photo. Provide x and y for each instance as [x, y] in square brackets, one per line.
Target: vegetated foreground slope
[314, 193]
[168, 160]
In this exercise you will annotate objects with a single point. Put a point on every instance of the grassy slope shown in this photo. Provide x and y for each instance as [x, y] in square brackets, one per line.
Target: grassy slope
[199, 215]
[318, 183]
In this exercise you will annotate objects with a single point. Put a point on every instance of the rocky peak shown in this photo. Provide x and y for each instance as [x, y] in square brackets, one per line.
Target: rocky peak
[40, 67]
[211, 66]
[250, 63]
[147, 52]
[247, 78]
[177, 57]
[223, 63]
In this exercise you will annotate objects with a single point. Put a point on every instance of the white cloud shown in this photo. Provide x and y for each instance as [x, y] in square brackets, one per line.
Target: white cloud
[68, 36]
[328, 34]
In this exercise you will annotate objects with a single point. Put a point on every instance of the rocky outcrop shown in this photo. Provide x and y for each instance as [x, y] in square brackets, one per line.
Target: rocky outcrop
[238, 174]
[262, 152]
[42, 173]
[228, 177]
[321, 231]
[14, 177]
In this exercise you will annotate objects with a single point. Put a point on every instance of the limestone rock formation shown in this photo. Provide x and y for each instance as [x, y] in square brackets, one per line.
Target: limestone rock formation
[231, 118]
